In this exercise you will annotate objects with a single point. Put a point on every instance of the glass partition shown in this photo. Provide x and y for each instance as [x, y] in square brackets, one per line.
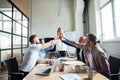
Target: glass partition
[17, 54]
[16, 41]
[16, 28]
[5, 54]
[24, 42]
[25, 21]
[5, 23]
[6, 7]
[5, 40]
[17, 15]
[25, 31]
[13, 31]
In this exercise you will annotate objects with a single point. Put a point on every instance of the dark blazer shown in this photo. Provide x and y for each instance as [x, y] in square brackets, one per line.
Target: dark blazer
[80, 56]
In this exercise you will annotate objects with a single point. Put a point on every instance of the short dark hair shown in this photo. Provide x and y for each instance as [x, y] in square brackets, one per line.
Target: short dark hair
[59, 28]
[32, 37]
[41, 39]
[92, 37]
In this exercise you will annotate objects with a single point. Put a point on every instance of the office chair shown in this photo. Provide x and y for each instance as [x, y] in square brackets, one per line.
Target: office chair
[114, 68]
[80, 57]
[12, 67]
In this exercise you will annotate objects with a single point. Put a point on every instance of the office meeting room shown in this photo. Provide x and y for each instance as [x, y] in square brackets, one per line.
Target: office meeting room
[59, 39]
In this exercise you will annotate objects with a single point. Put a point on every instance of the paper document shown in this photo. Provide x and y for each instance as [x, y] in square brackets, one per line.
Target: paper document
[74, 62]
[70, 76]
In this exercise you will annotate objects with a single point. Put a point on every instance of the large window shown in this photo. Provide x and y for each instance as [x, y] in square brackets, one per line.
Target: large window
[117, 16]
[110, 19]
[13, 31]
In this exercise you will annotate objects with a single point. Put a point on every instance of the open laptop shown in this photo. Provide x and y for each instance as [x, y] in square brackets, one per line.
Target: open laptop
[48, 71]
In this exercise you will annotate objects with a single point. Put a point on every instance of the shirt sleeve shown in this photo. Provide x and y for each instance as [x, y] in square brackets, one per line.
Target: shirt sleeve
[66, 42]
[48, 48]
[102, 59]
[38, 47]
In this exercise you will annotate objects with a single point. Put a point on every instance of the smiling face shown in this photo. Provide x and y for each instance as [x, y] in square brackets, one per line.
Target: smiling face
[82, 40]
[91, 39]
[60, 31]
[34, 39]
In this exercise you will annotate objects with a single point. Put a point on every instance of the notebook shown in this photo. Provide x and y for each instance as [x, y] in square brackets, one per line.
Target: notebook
[48, 71]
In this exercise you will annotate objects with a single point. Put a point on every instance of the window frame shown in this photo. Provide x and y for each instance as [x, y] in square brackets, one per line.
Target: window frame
[14, 34]
[114, 23]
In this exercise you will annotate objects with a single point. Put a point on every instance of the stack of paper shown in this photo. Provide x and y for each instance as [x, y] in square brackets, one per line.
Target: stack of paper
[74, 62]
[70, 76]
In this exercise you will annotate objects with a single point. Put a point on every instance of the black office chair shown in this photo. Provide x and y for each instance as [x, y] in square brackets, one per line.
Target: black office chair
[12, 67]
[80, 57]
[114, 68]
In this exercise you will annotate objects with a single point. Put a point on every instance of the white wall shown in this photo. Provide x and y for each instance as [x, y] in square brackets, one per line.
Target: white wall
[92, 18]
[112, 48]
[45, 19]
[78, 11]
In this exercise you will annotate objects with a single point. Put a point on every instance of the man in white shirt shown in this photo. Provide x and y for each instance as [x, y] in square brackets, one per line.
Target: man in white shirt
[32, 54]
[61, 47]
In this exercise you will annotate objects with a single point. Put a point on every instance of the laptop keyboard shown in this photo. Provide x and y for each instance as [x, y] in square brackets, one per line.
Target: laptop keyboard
[47, 71]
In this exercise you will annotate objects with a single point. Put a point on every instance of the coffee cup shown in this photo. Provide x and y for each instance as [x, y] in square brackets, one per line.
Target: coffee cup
[61, 67]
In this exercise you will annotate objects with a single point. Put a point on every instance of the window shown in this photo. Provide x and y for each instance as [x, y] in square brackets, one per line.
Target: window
[107, 22]
[17, 15]
[13, 31]
[16, 28]
[110, 20]
[5, 40]
[117, 16]
[5, 23]
[16, 41]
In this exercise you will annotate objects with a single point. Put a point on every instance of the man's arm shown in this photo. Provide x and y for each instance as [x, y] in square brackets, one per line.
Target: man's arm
[44, 61]
[49, 48]
[47, 44]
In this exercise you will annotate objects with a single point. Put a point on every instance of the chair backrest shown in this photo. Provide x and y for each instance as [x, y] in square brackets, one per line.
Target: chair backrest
[77, 53]
[12, 64]
[114, 64]
[80, 55]
[114, 67]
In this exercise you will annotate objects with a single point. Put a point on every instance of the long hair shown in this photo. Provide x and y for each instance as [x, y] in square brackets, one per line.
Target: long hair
[92, 37]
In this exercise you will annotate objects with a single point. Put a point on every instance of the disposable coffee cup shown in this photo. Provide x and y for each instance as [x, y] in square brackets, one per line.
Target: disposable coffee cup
[61, 67]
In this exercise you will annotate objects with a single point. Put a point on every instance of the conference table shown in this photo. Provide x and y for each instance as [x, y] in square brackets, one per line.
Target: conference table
[67, 69]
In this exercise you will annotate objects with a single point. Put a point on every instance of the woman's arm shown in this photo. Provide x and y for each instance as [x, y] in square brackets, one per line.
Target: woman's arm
[104, 65]
[72, 43]
[67, 43]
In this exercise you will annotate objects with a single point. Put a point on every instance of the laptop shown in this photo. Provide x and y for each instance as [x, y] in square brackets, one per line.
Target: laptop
[49, 70]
